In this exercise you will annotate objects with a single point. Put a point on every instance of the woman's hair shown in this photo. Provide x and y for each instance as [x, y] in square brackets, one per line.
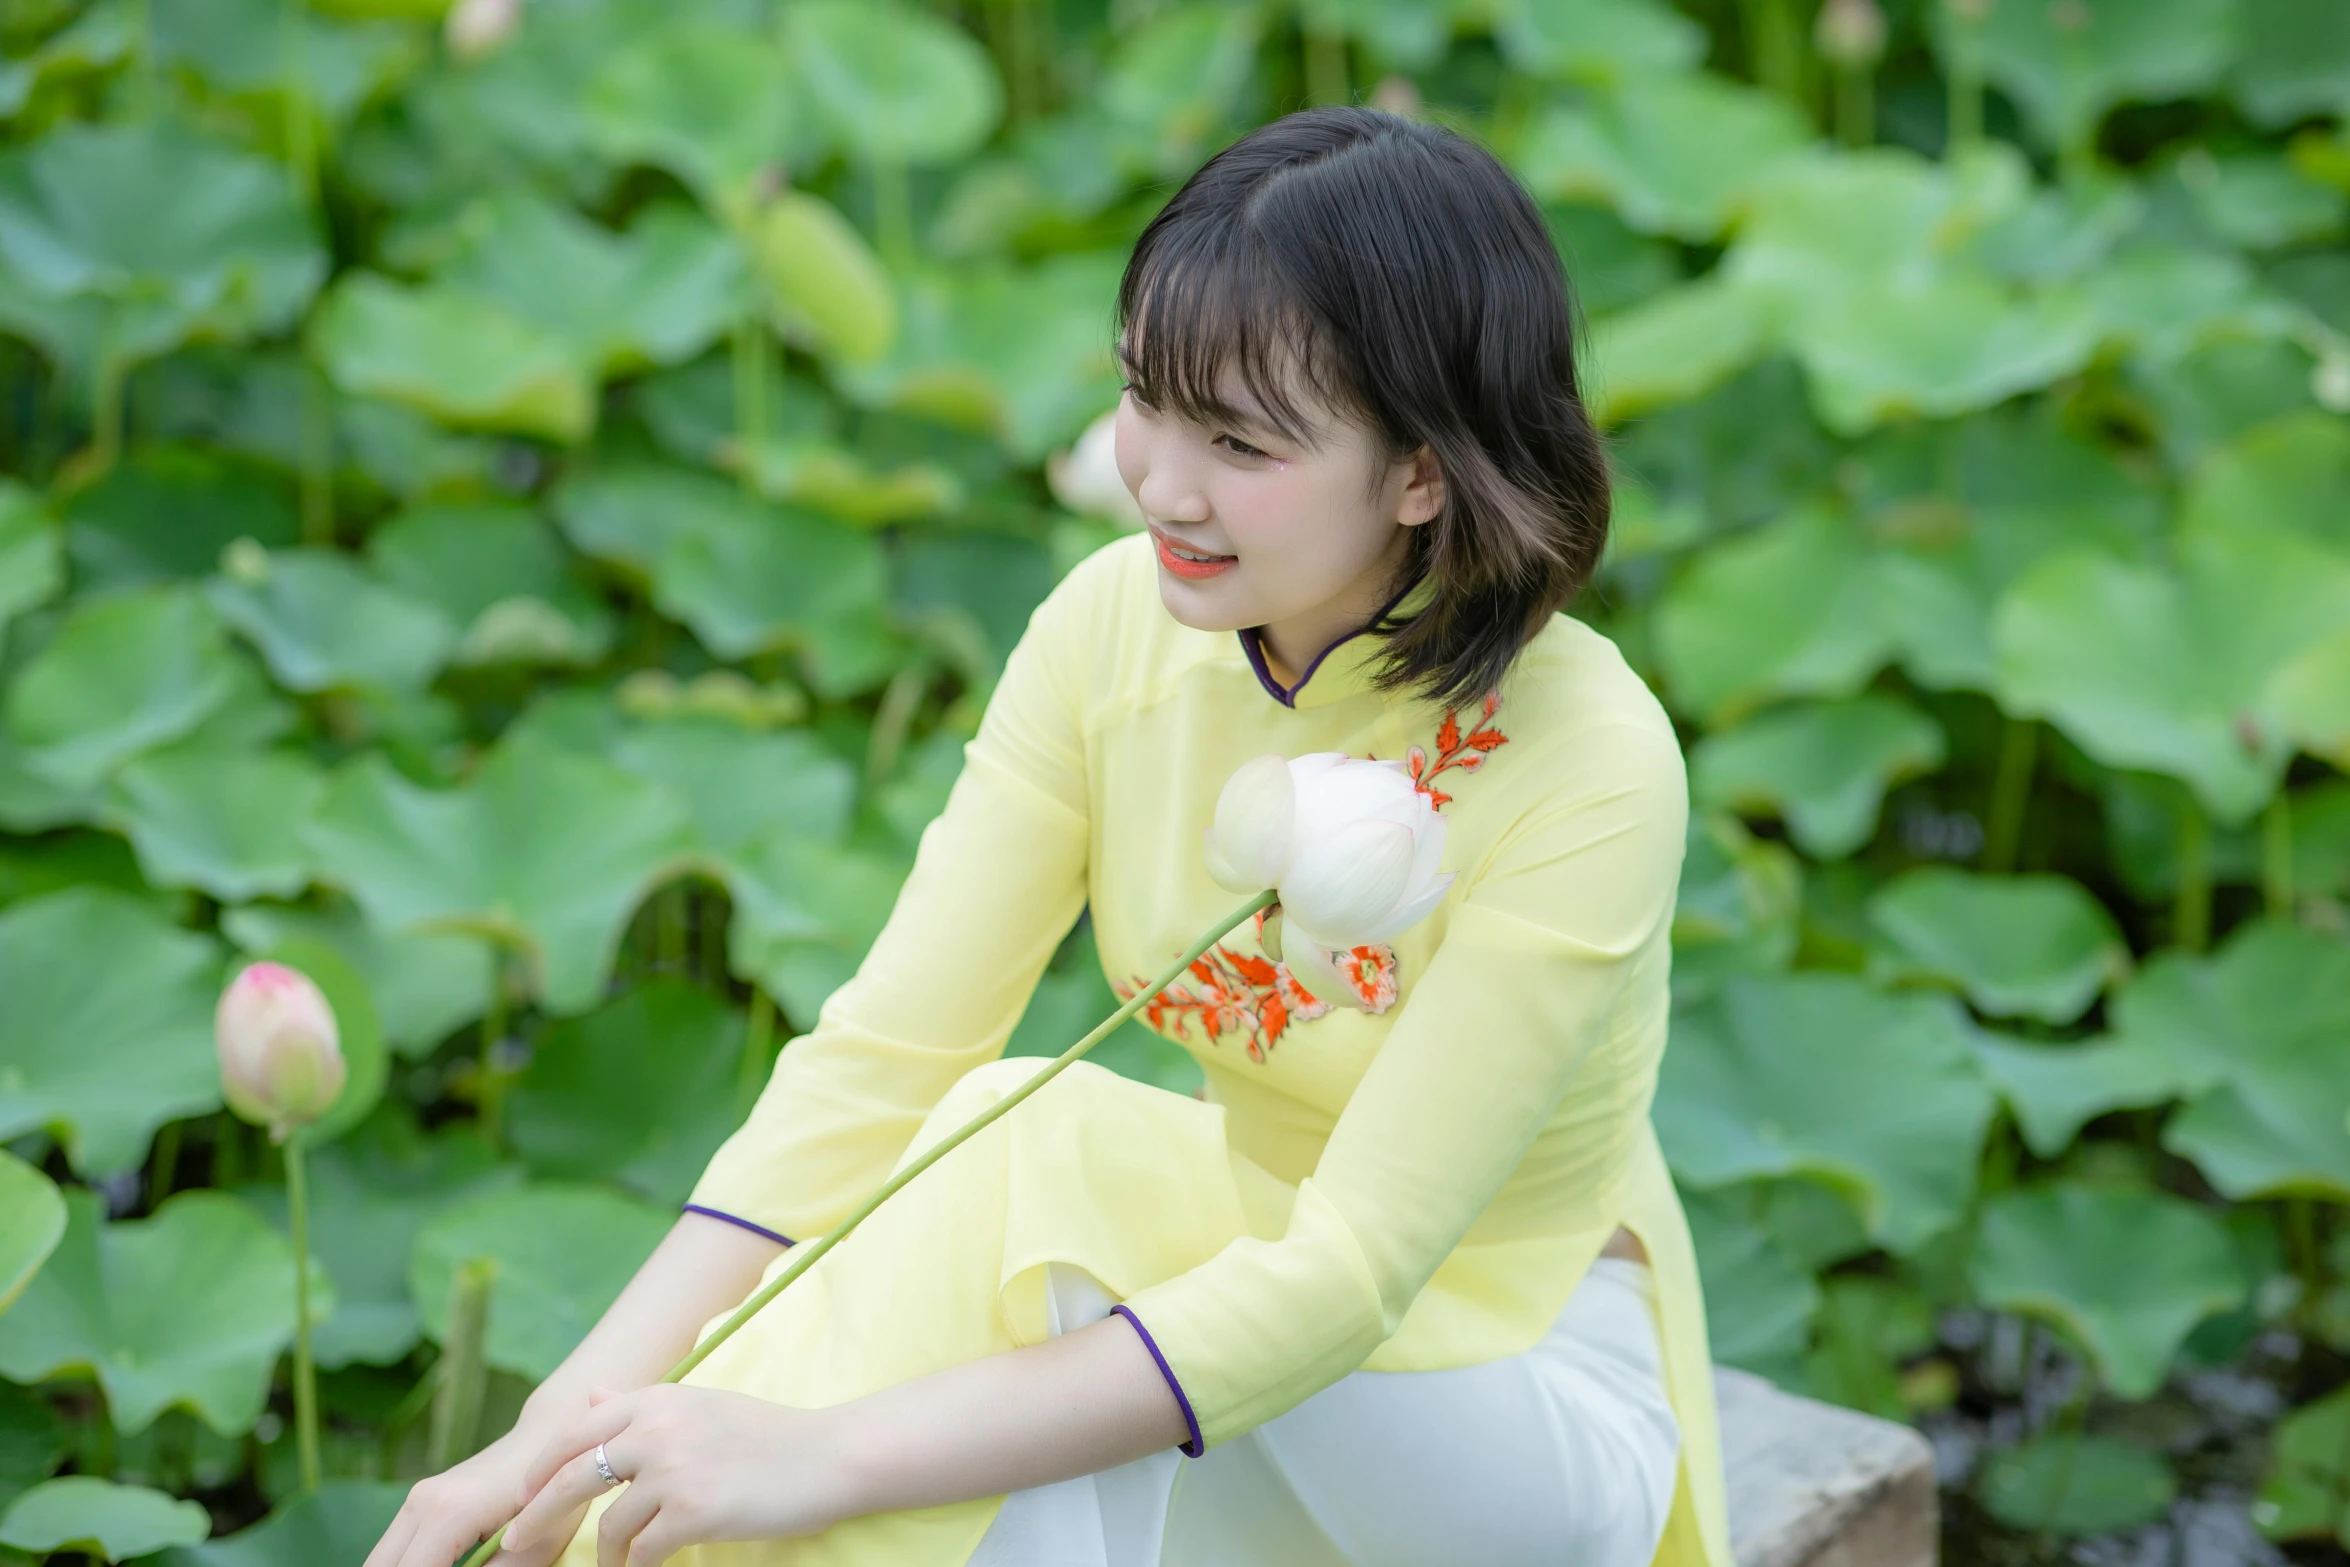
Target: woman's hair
[1410, 283]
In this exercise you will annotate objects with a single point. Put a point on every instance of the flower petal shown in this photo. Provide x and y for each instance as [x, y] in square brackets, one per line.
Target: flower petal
[1346, 878]
[1248, 848]
[1315, 967]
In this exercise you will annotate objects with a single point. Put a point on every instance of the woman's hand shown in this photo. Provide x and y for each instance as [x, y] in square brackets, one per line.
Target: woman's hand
[447, 1514]
[701, 1465]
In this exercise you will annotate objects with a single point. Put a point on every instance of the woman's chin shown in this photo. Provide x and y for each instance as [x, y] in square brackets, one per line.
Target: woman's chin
[1219, 603]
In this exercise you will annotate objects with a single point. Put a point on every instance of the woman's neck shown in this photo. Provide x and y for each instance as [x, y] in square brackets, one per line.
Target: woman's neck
[1292, 644]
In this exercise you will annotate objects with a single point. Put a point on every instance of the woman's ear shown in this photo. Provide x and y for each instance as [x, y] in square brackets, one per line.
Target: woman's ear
[1422, 499]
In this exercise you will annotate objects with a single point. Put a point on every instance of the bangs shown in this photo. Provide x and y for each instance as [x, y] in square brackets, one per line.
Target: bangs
[1206, 310]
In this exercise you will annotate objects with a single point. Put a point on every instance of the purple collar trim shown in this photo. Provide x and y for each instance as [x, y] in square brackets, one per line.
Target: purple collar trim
[1252, 642]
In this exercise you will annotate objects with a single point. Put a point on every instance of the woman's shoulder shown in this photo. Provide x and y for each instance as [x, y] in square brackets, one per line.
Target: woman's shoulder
[1573, 678]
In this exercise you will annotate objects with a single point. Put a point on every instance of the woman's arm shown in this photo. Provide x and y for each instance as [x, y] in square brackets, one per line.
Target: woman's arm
[702, 1267]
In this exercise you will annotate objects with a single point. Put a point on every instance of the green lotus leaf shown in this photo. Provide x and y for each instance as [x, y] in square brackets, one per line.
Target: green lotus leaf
[1937, 348]
[32, 1220]
[2288, 473]
[33, 1441]
[2065, 66]
[2124, 1273]
[2306, 1492]
[167, 512]
[1866, 1328]
[501, 857]
[1740, 905]
[2017, 946]
[124, 674]
[422, 986]
[2055, 1090]
[323, 622]
[32, 557]
[2258, 200]
[1816, 226]
[464, 361]
[1673, 154]
[639, 1092]
[756, 577]
[336, 1524]
[2292, 59]
[112, 1522]
[562, 1253]
[1675, 347]
[628, 514]
[804, 915]
[657, 295]
[2318, 820]
[1791, 609]
[501, 575]
[1761, 1299]
[711, 103]
[96, 41]
[1608, 41]
[2071, 1484]
[240, 47]
[988, 582]
[739, 786]
[188, 1308]
[2161, 300]
[225, 821]
[370, 1195]
[824, 283]
[1822, 767]
[1403, 33]
[108, 1029]
[2164, 671]
[894, 83]
[1170, 87]
[1875, 1095]
[121, 242]
[690, 412]
[2310, 694]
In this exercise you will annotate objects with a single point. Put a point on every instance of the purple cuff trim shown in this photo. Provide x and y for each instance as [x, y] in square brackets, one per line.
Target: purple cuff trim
[755, 1229]
[1194, 1447]
[1252, 642]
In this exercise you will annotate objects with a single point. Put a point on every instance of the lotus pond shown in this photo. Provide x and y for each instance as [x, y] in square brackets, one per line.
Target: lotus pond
[512, 511]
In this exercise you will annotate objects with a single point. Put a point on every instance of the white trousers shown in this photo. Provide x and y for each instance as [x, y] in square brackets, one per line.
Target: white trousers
[1567, 1453]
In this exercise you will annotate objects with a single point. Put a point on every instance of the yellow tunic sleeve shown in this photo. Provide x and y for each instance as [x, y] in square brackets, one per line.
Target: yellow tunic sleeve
[1529, 977]
[998, 879]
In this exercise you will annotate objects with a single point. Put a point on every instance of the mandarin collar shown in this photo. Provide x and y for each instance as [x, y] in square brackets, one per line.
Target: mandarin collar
[1347, 667]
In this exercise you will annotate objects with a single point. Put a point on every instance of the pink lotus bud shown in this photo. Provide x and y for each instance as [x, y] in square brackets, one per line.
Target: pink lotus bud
[281, 1062]
[475, 27]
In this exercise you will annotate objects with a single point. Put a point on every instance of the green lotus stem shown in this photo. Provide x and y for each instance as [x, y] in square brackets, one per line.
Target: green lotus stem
[756, 1035]
[166, 1163]
[106, 412]
[2276, 856]
[893, 719]
[461, 1373]
[2191, 909]
[1963, 76]
[669, 929]
[1856, 106]
[808, 1254]
[1774, 47]
[489, 1097]
[2011, 793]
[305, 1374]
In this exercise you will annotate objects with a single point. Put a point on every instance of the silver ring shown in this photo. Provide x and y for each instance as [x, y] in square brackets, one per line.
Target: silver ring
[604, 1466]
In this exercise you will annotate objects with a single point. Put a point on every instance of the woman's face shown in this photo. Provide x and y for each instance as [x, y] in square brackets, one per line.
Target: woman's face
[1255, 528]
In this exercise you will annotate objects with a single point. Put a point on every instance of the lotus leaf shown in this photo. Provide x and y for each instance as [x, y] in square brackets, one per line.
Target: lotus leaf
[2290, 473]
[2257, 199]
[1171, 85]
[1937, 348]
[804, 913]
[2067, 65]
[739, 786]
[323, 622]
[757, 577]
[1403, 33]
[240, 46]
[464, 361]
[1761, 1300]
[2125, 1273]
[2310, 694]
[1739, 908]
[121, 242]
[562, 1254]
[1672, 154]
[190, 1307]
[1818, 225]
[1675, 347]
[2318, 819]
[991, 581]
[505, 857]
[124, 674]
[1866, 1328]
[2306, 1493]
[2071, 1484]
[501, 575]
[824, 283]
[2163, 670]
[629, 514]
[1606, 41]
[108, 1030]
[1876, 1095]
[423, 986]
[2017, 946]
[32, 1220]
[32, 563]
[112, 1522]
[2292, 59]
[33, 1441]
[96, 41]
[713, 104]
[226, 821]
[2162, 299]
[336, 1524]
[639, 1092]
[2055, 1090]
[167, 512]
[893, 83]
[1823, 767]
[370, 1195]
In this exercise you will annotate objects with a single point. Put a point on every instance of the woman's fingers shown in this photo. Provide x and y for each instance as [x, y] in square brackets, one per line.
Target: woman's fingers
[543, 1545]
[567, 1491]
[623, 1521]
[579, 1433]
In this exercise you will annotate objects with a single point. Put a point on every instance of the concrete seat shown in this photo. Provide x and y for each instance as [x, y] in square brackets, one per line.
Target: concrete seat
[1812, 1485]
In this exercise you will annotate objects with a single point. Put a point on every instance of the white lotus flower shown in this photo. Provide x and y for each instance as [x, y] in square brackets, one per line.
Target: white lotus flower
[1085, 477]
[1353, 848]
[281, 1059]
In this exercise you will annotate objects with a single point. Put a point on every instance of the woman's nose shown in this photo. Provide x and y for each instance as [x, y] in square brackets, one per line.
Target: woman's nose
[1168, 492]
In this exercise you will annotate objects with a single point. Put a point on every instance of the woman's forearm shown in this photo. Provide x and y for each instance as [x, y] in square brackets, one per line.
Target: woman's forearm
[702, 1267]
[1071, 1405]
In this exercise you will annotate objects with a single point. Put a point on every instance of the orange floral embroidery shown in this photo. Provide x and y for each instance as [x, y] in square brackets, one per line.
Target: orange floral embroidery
[1249, 995]
[1455, 749]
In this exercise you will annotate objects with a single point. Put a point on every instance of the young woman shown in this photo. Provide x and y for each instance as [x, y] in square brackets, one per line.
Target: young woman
[1410, 1287]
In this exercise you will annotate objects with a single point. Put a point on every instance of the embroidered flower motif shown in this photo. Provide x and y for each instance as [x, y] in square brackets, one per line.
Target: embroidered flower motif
[1454, 749]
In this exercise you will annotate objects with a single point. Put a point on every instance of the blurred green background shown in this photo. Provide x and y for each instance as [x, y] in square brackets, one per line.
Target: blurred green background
[514, 510]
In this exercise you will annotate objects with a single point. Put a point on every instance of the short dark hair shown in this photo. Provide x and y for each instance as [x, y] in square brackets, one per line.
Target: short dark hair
[1412, 282]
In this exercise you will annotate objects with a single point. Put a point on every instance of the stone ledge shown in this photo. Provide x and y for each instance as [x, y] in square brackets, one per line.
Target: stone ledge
[1812, 1485]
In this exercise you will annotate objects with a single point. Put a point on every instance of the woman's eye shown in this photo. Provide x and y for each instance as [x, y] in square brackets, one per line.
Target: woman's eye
[1238, 447]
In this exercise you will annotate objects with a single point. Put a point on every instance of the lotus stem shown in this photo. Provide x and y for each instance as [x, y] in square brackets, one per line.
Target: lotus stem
[750, 395]
[1856, 106]
[807, 1255]
[165, 1165]
[2276, 856]
[1963, 76]
[2011, 794]
[489, 1098]
[1325, 52]
[106, 413]
[461, 1371]
[2191, 909]
[305, 1374]
[756, 1035]
[1774, 47]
